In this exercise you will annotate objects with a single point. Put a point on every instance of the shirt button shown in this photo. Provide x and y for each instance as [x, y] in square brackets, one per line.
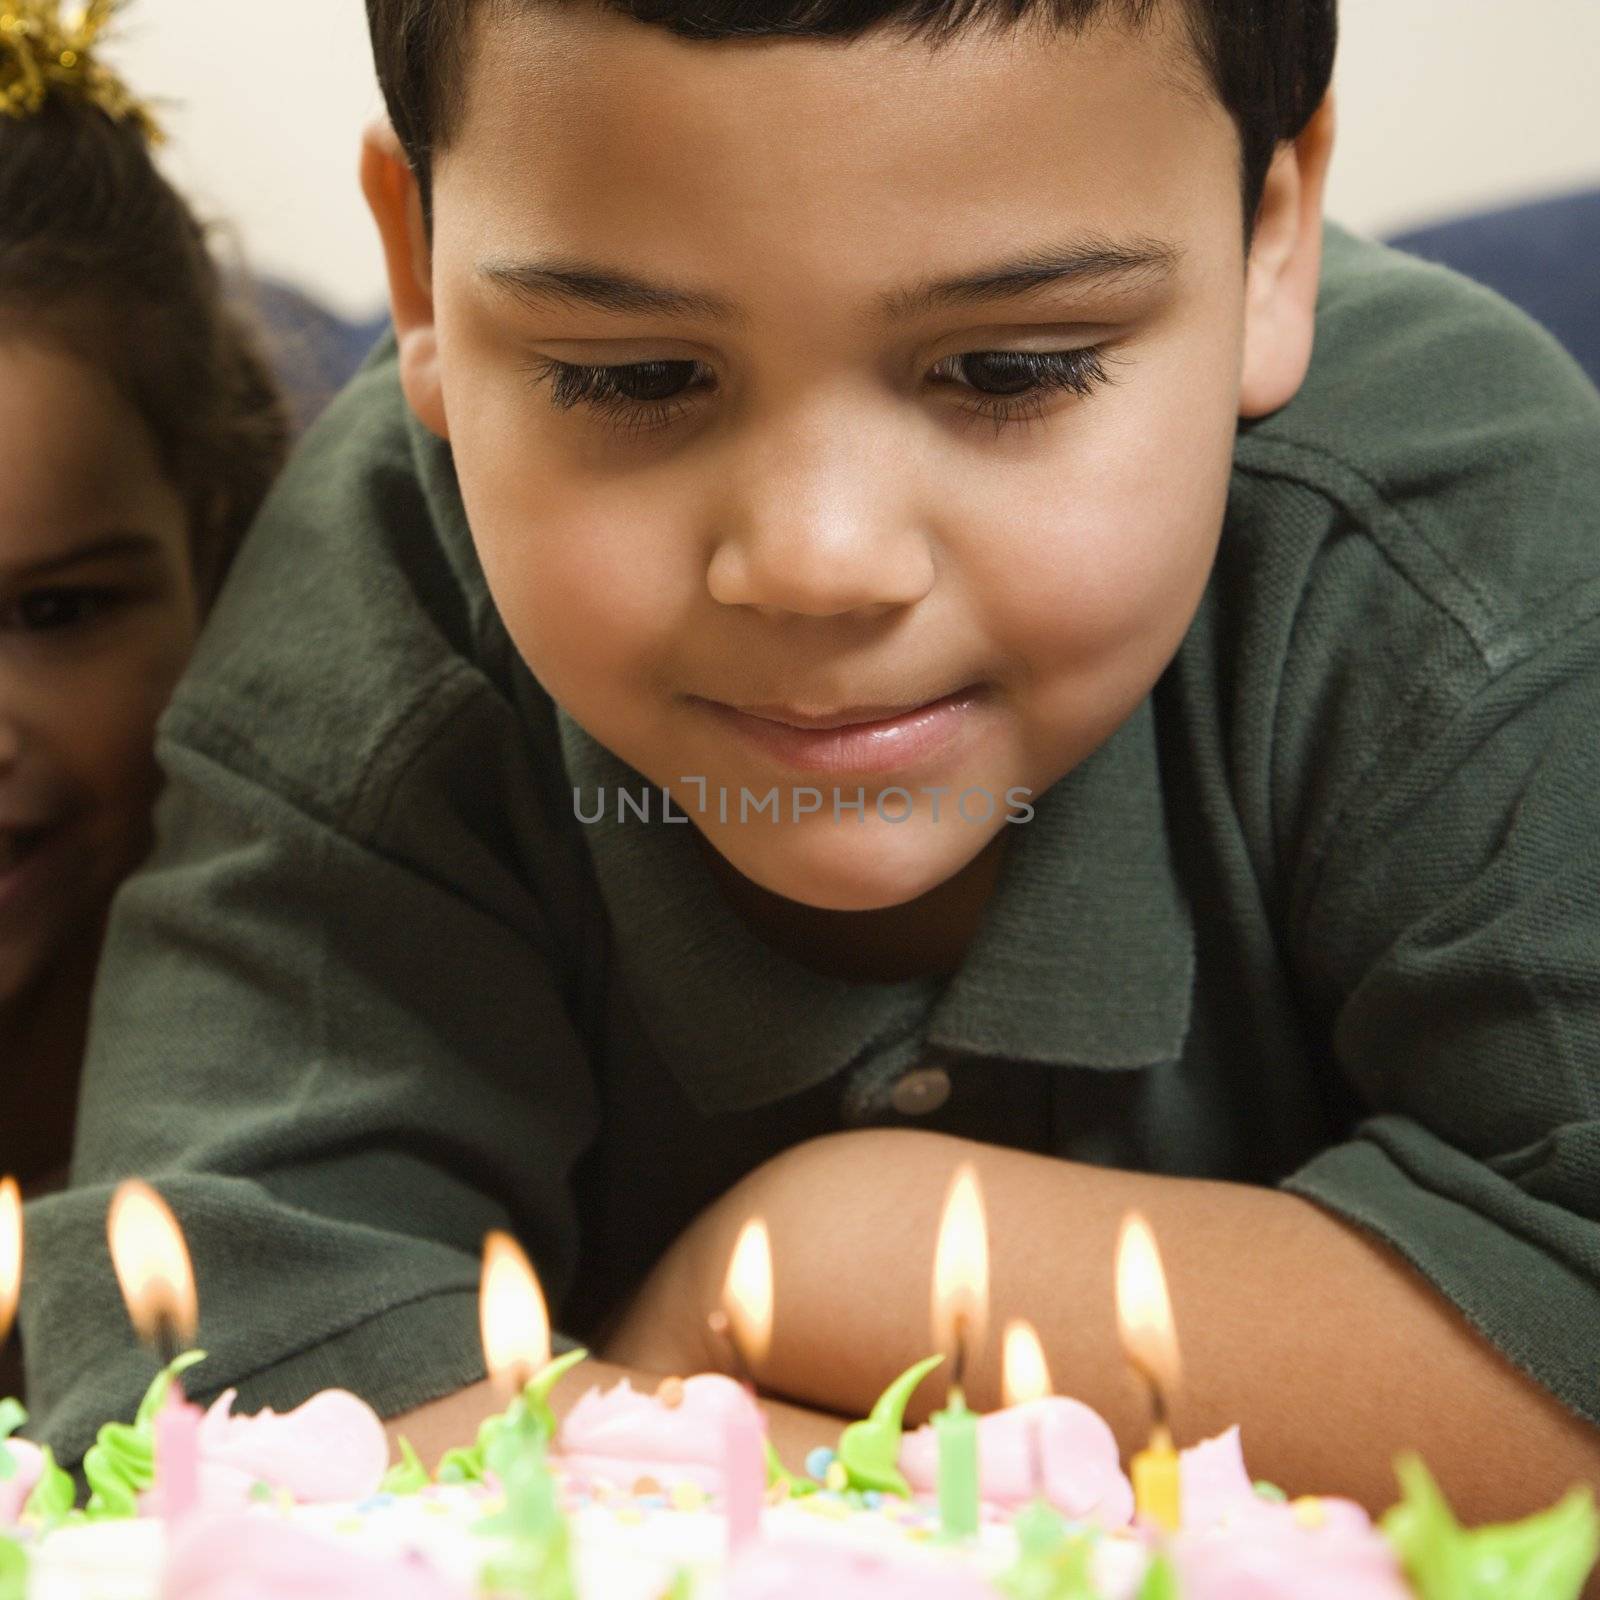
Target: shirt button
[921, 1092]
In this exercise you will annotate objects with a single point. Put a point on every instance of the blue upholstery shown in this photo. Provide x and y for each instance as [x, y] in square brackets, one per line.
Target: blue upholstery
[1543, 256]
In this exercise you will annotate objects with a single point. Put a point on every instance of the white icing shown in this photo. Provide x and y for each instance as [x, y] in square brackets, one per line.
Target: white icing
[617, 1558]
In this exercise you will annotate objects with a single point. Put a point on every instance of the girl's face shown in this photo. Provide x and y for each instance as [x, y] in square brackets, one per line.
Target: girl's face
[98, 614]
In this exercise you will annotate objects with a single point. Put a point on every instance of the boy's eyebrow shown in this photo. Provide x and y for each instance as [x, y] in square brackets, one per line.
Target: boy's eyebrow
[1092, 259]
[110, 544]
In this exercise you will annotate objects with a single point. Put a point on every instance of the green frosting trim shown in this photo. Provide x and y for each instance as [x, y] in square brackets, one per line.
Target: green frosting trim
[538, 1564]
[54, 1495]
[13, 1570]
[469, 1463]
[778, 1473]
[408, 1475]
[869, 1450]
[121, 1464]
[681, 1587]
[1160, 1581]
[1052, 1562]
[1270, 1491]
[12, 1416]
[1544, 1557]
[536, 1394]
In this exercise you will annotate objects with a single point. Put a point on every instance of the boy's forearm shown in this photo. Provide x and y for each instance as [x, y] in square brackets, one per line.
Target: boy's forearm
[443, 1424]
[1329, 1351]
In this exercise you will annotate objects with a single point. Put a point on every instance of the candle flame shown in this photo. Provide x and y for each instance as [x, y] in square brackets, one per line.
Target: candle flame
[747, 1292]
[512, 1313]
[1024, 1373]
[1144, 1311]
[961, 1269]
[10, 1253]
[152, 1264]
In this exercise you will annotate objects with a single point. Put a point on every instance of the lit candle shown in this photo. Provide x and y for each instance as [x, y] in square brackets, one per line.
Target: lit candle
[1144, 1316]
[10, 1255]
[1024, 1378]
[12, 1415]
[515, 1325]
[1049, 1561]
[960, 1312]
[157, 1280]
[744, 1325]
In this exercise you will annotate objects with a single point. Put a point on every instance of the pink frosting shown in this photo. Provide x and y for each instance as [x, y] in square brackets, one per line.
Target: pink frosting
[1277, 1558]
[1214, 1481]
[333, 1448]
[778, 1570]
[245, 1557]
[14, 1491]
[1237, 1546]
[623, 1435]
[1077, 1458]
[1216, 1489]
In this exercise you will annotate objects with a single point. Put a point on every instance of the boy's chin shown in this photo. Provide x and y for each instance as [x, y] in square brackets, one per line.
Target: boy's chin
[849, 865]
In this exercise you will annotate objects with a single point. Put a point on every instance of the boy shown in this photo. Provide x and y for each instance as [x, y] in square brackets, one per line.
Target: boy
[826, 430]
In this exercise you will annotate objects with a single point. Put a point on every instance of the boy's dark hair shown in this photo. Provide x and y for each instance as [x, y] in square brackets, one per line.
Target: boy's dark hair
[1268, 62]
[100, 255]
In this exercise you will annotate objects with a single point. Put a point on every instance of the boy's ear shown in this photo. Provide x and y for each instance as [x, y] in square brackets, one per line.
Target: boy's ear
[396, 204]
[1285, 269]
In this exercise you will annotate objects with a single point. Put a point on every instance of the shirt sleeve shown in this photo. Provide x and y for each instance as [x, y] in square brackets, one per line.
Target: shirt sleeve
[1451, 920]
[333, 1023]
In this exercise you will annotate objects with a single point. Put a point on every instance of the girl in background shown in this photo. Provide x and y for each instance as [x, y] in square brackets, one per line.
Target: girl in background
[139, 431]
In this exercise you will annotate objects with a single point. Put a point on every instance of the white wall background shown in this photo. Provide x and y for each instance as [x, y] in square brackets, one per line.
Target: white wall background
[1444, 105]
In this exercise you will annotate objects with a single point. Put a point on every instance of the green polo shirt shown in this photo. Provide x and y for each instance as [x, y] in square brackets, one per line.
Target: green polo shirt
[1324, 913]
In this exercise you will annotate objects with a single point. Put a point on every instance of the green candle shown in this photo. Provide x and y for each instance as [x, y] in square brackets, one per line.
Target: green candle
[956, 1431]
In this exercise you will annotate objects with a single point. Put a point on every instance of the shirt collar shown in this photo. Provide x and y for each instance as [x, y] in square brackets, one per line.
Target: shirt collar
[1084, 957]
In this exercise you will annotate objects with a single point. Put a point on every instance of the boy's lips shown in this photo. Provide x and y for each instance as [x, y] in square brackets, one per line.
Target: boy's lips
[859, 740]
[845, 717]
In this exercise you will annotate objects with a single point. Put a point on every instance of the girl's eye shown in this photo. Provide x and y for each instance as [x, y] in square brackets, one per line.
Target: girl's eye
[56, 610]
[644, 396]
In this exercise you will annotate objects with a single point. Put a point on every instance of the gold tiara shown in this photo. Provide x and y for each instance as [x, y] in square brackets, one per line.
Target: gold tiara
[42, 53]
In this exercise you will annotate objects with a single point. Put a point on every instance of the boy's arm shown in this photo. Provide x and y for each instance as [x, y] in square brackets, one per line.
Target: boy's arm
[332, 1021]
[441, 1425]
[1329, 1351]
[1435, 874]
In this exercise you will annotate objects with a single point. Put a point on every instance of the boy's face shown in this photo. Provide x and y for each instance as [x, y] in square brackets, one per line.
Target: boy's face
[808, 505]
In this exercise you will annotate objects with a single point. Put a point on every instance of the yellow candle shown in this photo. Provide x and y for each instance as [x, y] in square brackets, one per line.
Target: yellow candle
[1156, 1492]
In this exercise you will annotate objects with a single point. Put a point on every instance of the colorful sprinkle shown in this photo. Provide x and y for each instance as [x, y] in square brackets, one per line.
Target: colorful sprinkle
[1309, 1512]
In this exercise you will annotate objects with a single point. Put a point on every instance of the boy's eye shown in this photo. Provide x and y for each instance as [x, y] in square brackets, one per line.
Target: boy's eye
[645, 395]
[52, 610]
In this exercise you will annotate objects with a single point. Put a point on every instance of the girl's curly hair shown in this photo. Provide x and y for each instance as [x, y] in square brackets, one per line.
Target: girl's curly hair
[100, 255]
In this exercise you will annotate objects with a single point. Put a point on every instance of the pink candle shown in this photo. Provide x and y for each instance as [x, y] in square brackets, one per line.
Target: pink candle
[177, 1455]
[744, 1472]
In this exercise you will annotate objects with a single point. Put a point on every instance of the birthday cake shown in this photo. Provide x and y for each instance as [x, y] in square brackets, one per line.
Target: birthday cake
[626, 1500]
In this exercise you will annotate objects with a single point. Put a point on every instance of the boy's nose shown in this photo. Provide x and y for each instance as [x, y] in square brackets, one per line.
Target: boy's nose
[818, 578]
[820, 562]
[811, 517]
